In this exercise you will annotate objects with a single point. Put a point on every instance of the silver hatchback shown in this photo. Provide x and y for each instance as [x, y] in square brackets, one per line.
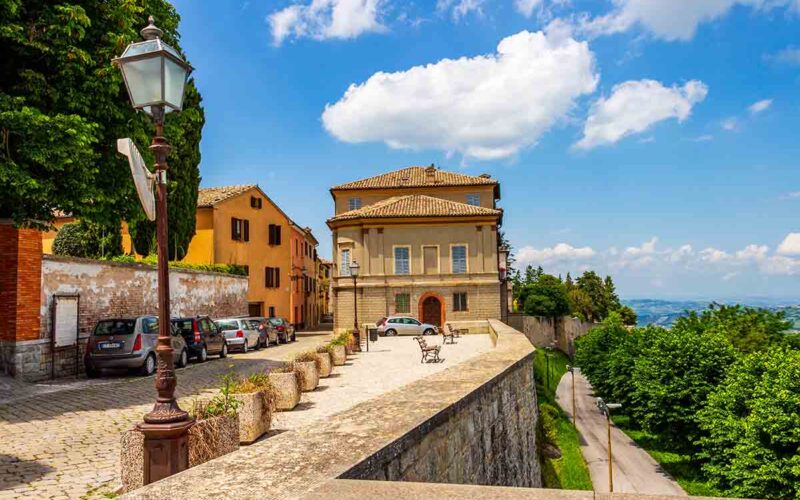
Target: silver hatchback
[404, 325]
[129, 343]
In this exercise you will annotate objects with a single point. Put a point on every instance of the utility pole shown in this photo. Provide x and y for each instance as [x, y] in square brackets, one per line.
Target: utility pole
[606, 408]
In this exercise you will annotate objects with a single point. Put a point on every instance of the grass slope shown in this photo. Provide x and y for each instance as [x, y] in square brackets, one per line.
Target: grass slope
[568, 472]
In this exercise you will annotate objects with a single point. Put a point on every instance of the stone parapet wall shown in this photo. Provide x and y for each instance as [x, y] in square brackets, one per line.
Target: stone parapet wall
[107, 290]
[427, 429]
[376, 302]
[560, 332]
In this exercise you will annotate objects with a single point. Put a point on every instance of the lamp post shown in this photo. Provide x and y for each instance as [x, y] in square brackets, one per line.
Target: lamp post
[606, 408]
[571, 370]
[155, 76]
[354, 267]
[548, 351]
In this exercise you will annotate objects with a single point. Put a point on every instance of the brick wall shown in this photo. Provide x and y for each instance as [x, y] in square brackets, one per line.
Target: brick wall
[543, 332]
[377, 302]
[20, 282]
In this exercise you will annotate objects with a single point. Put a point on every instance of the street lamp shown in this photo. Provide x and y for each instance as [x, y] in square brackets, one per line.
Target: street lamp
[354, 267]
[548, 351]
[155, 76]
[606, 408]
[502, 267]
[571, 370]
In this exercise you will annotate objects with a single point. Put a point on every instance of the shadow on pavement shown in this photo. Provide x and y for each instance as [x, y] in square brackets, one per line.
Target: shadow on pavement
[24, 471]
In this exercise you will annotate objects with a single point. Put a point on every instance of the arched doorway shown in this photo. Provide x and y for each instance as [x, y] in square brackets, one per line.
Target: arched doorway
[431, 309]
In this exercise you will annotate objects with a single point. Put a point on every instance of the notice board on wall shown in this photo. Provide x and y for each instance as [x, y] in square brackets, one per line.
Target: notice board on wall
[65, 320]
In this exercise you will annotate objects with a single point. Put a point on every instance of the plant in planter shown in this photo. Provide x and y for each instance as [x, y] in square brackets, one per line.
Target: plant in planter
[256, 399]
[216, 429]
[305, 364]
[324, 364]
[338, 352]
[286, 387]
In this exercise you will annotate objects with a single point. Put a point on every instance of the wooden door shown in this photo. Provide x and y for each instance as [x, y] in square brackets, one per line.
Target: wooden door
[430, 257]
[432, 311]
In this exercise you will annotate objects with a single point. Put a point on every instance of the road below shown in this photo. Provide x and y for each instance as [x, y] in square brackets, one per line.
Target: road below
[634, 469]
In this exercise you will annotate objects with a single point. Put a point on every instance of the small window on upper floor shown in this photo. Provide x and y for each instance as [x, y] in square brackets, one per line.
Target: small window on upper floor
[402, 257]
[255, 202]
[354, 203]
[474, 199]
[344, 263]
[458, 259]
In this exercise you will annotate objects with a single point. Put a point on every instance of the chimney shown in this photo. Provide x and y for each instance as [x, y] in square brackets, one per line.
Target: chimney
[430, 174]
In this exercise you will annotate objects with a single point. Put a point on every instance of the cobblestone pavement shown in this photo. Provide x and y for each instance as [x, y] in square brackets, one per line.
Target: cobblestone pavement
[62, 440]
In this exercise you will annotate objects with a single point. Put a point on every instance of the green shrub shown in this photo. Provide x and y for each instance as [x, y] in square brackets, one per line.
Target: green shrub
[548, 416]
[152, 260]
[222, 404]
[84, 239]
[306, 357]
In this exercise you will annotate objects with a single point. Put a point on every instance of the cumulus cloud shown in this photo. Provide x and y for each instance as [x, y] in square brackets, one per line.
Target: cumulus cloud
[789, 56]
[525, 7]
[790, 245]
[635, 106]
[484, 107]
[730, 124]
[460, 8]
[325, 19]
[562, 252]
[670, 19]
[759, 106]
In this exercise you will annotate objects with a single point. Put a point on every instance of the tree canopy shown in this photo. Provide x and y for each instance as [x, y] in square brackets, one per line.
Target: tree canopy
[546, 296]
[63, 105]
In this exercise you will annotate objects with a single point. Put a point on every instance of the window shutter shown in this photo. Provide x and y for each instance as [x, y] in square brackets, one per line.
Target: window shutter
[277, 274]
[233, 228]
[271, 234]
[277, 235]
[246, 230]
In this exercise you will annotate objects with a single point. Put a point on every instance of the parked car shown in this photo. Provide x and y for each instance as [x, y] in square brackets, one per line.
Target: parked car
[267, 332]
[203, 337]
[284, 328]
[240, 333]
[326, 318]
[404, 325]
[129, 343]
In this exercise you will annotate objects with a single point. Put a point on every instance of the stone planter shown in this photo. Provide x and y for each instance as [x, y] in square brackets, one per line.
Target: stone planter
[324, 364]
[212, 438]
[307, 375]
[287, 390]
[339, 355]
[208, 439]
[255, 416]
[348, 347]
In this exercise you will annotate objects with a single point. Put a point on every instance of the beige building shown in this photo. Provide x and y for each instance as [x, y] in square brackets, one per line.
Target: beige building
[426, 243]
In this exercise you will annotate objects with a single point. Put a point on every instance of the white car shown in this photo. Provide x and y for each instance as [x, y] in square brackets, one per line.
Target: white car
[240, 333]
[404, 325]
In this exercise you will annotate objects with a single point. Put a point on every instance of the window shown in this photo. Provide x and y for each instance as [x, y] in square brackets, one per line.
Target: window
[401, 260]
[344, 263]
[402, 303]
[460, 302]
[271, 311]
[354, 203]
[274, 234]
[255, 202]
[272, 277]
[240, 229]
[459, 259]
[474, 199]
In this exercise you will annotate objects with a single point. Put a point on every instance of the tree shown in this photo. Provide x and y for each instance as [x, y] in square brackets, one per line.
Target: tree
[545, 297]
[84, 239]
[593, 285]
[611, 299]
[593, 349]
[580, 304]
[628, 315]
[752, 427]
[748, 329]
[63, 105]
[672, 377]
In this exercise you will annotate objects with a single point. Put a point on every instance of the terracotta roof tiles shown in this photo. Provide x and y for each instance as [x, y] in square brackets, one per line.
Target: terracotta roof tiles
[417, 177]
[208, 197]
[416, 205]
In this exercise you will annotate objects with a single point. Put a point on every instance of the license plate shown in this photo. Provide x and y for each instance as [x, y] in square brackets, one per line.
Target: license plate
[110, 345]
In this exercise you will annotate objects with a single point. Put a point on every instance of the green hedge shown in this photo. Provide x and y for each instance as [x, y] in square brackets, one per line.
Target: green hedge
[153, 260]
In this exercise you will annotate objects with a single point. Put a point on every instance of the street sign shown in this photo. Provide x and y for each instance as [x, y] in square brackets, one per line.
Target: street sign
[142, 177]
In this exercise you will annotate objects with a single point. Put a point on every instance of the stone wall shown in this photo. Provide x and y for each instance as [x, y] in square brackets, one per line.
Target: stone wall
[483, 301]
[545, 332]
[487, 438]
[108, 289]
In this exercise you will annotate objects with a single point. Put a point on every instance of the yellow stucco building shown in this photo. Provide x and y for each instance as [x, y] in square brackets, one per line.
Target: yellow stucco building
[426, 243]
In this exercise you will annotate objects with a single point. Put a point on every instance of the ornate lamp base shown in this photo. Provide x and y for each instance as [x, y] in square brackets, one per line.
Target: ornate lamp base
[166, 449]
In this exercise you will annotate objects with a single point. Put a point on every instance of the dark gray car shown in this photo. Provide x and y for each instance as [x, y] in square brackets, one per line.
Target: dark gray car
[129, 343]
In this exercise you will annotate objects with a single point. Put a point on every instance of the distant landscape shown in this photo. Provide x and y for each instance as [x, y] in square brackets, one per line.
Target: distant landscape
[664, 312]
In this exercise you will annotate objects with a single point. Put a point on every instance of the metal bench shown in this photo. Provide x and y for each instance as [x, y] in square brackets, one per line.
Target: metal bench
[429, 353]
[447, 334]
[457, 332]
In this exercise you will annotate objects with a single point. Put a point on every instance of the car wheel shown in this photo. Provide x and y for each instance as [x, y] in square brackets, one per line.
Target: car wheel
[149, 365]
[203, 356]
[294, 337]
[428, 331]
[183, 360]
[245, 348]
[391, 333]
[91, 372]
[223, 353]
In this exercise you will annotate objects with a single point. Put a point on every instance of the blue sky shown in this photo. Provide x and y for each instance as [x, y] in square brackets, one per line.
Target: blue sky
[656, 140]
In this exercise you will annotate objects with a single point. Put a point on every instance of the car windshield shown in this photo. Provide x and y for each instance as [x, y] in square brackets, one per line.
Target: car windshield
[183, 325]
[254, 324]
[276, 321]
[228, 324]
[115, 327]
